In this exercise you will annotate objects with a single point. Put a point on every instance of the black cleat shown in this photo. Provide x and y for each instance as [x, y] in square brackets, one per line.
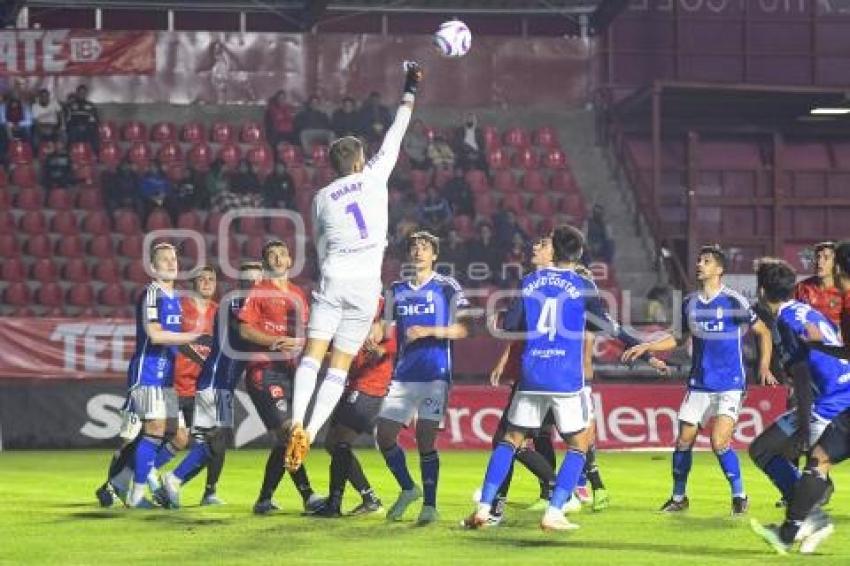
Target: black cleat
[673, 506]
[740, 506]
[367, 507]
[105, 495]
[328, 511]
[830, 489]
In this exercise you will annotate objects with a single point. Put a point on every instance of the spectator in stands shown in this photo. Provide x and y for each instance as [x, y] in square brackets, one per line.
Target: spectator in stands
[156, 191]
[454, 257]
[459, 194]
[237, 189]
[218, 186]
[415, 145]
[398, 243]
[401, 206]
[374, 118]
[484, 252]
[600, 244]
[658, 303]
[469, 144]
[312, 125]
[346, 120]
[435, 213]
[280, 120]
[440, 153]
[119, 187]
[506, 227]
[47, 118]
[279, 189]
[16, 119]
[190, 192]
[81, 119]
[57, 171]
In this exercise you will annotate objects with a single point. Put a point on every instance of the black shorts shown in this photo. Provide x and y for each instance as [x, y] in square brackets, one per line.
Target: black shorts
[548, 420]
[357, 411]
[271, 396]
[187, 407]
[835, 440]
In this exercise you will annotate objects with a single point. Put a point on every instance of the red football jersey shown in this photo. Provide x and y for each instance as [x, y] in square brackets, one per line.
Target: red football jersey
[186, 371]
[372, 376]
[829, 301]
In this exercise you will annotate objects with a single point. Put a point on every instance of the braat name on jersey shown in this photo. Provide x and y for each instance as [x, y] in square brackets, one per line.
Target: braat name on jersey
[553, 280]
[346, 190]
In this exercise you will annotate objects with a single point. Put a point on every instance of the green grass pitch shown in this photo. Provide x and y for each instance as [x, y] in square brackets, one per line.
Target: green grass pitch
[48, 514]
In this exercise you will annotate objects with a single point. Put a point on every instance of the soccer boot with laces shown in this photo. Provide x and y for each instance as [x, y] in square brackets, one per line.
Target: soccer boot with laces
[673, 506]
[405, 499]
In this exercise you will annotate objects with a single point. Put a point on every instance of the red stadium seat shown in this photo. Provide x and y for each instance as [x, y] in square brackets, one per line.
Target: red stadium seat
[319, 155]
[543, 205]
[81, 295]
[545, 136]
[13, 270]
[4, 179]
[107, 131]
[555, 159]
[504, 181]
[201, 156]
[253, 247]
[18, 295]
[251, 133]
[193, 132]
[31, 199]
[71, 246]
[76, 271]
[562, 180]
[64, 222]
[213, 222]
[252, 226]
[85, 174]
[134, 131]
[289, 154]
[464, 226]
[230, 154]
[169, 152]
[7, 223]
[97, 222]
[19, 151]
[164, 132]
[484, 204]
[222, 133]
[533, 181]
[477, 180]
[60, 199]
[110, 154]
[113, 295]
[101, 246]
[107, 271]
[261, 158]
[526, 158]
[189, 250]
[281, 227]
[90, 198]
[33, 222]
[574, 206]
[525, 224]
[491, 137]
[127, 222]
[45, 271]
[39, 246]
[24, 176]
[300, 177]
[517, 137]
[497, 159]
[190, 221]
[81, 153]
[50, 295]
[9, 246]
[514, 202]
[131, 246]
[136, 273]
[5, 198]
[158, 219]
[140, 153]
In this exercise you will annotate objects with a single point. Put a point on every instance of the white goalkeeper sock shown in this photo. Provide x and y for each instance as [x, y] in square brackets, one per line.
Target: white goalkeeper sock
[330, 392]
[305, 382]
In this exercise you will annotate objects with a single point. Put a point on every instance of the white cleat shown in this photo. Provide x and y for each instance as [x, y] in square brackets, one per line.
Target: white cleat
[556, 521]
[573, 505]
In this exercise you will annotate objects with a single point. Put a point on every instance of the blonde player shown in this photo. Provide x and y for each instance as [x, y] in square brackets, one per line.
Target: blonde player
[350, 231]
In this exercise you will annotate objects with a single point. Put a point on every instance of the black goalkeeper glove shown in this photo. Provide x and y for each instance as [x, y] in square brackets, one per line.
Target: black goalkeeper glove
[413, 74]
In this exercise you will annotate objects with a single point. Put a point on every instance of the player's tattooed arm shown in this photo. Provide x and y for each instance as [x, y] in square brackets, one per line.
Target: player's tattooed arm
[803, 395]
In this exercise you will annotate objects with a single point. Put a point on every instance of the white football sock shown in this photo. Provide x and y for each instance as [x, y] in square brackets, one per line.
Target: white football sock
[305, 382]
[329, 394]
[137, 494]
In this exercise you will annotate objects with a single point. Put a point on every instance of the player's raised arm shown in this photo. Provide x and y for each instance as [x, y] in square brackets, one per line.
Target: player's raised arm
[382, 164]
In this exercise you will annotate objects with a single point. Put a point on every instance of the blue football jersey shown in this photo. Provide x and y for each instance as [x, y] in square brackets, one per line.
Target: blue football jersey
[435, 303]
[830, 375]
[153, 364]
[220, 369]
[717, 327]
[554, 309]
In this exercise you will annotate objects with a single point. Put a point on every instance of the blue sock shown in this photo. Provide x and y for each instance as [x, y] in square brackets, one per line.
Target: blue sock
[497, 470]
[430, 467]
[145, 458]
[398, 466]
[682, 460]
[194, 460]
[784, 475]
[582, 479]
[567, 478]
[166, 452]
[732, 470]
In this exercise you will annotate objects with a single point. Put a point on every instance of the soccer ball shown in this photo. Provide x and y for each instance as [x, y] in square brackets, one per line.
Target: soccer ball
[453, 39]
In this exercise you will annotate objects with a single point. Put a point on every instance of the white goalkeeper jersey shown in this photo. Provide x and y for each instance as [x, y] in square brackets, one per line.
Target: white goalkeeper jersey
[350, 216]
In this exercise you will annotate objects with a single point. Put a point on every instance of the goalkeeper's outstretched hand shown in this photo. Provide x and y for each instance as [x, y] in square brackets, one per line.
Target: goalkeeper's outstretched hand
[413, 74]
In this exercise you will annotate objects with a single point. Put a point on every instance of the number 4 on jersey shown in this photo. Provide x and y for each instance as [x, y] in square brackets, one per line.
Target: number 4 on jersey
[548, 322]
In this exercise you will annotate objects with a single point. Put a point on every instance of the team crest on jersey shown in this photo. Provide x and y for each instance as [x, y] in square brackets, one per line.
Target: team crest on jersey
[719, 313]
[276, 391]
[352, 397]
